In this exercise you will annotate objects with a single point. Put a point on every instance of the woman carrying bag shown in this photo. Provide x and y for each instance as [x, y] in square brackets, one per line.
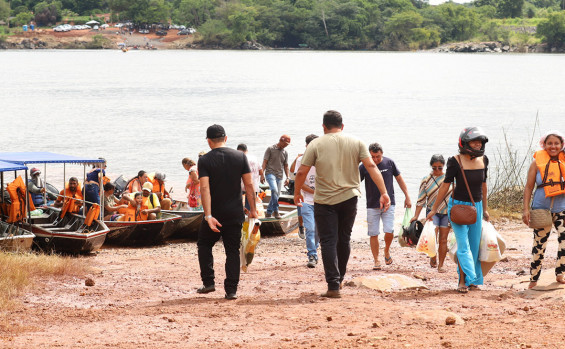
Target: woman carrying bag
[468, 204]
[429, 188]
[548, 205]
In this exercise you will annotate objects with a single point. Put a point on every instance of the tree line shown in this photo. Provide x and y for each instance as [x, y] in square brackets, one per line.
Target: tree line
[319, 24]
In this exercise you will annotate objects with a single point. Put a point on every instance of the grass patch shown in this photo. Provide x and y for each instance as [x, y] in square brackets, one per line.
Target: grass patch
[20, 271]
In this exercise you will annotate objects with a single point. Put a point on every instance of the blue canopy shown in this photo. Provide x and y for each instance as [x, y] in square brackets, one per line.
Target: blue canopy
[10, 166]
[25, 158]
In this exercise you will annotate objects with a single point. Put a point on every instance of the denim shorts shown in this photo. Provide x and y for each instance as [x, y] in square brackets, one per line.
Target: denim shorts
[439, 219]
[374, 216]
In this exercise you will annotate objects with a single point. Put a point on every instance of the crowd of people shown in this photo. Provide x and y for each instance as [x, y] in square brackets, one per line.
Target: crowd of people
[327, 178]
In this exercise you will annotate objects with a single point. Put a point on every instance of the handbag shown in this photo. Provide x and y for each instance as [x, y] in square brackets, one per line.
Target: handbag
[464, 214]
[541, 218]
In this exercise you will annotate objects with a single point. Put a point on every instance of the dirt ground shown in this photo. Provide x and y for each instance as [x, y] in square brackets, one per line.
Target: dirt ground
[54, 39]
[146, 298]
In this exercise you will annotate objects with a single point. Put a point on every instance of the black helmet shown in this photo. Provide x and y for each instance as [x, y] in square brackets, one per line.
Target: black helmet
[471, 134]
[412, 233]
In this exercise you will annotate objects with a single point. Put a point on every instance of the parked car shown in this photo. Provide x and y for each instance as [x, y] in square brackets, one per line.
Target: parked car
[187, 31]
[143, 31]
[161, 33]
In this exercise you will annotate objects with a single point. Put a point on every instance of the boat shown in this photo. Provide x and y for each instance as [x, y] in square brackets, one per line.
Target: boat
[68, 235]
[132, 233]
[286, 224]
[53, 233]
[13, 238]
[190, 221]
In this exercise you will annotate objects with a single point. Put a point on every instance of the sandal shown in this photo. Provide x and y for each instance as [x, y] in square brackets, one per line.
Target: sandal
[377, 267]
[474, 288]
[388, 260]
[433, 262]
[462, 289]
[441, 270]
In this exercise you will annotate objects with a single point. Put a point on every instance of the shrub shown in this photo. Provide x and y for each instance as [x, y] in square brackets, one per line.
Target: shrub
[552, 30]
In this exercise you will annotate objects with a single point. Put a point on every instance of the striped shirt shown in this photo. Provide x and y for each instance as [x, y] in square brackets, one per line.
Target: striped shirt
[429, 189]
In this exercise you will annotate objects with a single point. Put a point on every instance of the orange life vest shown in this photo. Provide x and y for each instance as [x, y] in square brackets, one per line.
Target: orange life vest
[130, 184]
[158, 187]
[92, 214]
[17, 191]
[552, 172]
[69, 203]
[133, 214]
[105, 180]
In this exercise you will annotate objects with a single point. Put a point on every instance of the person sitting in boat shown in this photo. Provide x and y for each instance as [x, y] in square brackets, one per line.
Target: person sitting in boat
[112, 206]
[159, 189]
[149, 207]
[136, 210]
[136, 184]
[91, 184]
[36, 187]
[71, 192]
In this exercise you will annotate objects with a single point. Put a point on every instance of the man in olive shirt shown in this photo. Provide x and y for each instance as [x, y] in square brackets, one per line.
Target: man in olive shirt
[336, 158]
[275, 161]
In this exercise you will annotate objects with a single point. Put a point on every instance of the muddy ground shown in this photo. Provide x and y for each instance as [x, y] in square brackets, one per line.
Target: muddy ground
[146, 298]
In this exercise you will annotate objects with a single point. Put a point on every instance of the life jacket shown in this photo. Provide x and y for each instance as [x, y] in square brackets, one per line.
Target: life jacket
[552, 172]
[17, 191]
[92, 214]
[69, 204]
[130, 184]
[133, 214]
[158, 187]
[105, 180]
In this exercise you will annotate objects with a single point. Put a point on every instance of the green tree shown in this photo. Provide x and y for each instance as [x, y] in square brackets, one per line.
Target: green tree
[552, 30]
[509, 8]
[457, 22]
[193, 12]
[23, 18]
[47, 13]
[4, 9]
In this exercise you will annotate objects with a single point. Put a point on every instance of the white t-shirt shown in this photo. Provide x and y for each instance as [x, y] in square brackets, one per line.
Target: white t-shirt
[310, 181]
[254, 166]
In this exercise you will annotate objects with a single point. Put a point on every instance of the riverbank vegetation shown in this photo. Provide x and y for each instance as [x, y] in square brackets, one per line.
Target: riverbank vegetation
[317, 24]
[18, 271]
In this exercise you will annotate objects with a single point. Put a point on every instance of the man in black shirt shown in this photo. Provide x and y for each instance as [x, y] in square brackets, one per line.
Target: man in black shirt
[221, 171]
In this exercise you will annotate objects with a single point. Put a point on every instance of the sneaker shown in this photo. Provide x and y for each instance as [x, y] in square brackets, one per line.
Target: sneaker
[301, 233]
[277, 215]
[206, 289]
[312, 261]
[268, 215]
[231, 296]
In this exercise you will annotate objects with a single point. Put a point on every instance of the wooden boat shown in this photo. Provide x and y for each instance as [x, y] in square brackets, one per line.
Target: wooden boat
[190, 221]
[14, 238]
[285, 225]
[69, 235]
[142, 232]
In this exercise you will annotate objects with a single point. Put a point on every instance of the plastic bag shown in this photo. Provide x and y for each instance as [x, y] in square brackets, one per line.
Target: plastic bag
[451, 246]
[250, 236]
[489, 250]
[405, 225]
[427, 241]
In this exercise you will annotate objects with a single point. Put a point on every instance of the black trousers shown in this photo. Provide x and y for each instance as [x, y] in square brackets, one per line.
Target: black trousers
[231, 236]
[334, 224]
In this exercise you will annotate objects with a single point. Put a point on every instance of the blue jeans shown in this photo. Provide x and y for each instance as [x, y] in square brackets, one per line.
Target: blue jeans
[91, 194]
[275, 184]
[468, 239]
[312, 239]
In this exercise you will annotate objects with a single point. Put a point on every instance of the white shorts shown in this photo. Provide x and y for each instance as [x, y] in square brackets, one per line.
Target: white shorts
[374, 216]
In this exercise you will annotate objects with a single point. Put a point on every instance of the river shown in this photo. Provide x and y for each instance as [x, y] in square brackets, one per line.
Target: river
[149, 109]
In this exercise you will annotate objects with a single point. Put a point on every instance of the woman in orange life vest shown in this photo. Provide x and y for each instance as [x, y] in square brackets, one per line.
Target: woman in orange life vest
[136, 183]
[71, 192]
[146, 209]
[547, 172]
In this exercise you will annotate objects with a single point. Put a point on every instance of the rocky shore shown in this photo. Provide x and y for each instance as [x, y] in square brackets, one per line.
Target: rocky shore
[494, 47]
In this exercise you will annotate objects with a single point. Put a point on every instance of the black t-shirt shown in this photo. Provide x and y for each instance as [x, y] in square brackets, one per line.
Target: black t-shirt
[475, 178]
[224, 167]
[389, 172]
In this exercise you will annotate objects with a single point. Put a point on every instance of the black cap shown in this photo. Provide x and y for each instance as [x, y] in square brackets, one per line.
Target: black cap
[215, 131]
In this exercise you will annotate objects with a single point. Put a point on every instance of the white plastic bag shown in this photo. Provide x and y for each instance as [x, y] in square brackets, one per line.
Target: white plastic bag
[451, 246]
[489, 250]
[427, 241]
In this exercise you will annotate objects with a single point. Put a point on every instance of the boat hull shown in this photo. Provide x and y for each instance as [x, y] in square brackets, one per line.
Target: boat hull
[285, 225]
[138, 233]
[15, 239]
[68, 235]
[190, 221]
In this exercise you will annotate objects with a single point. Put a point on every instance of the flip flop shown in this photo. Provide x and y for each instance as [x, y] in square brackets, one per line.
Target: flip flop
[441, 270]
[462, 289]
[377, 267]
[474, 288]
[388, 260]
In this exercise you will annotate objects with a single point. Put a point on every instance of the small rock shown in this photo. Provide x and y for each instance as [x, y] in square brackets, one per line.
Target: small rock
[377, 325]
[329, 318]
[351, 334]
[172, 320]
[418, 276]
[526, 308]
[89, 282]
[446, 344]
[521, 272]
[450, 320]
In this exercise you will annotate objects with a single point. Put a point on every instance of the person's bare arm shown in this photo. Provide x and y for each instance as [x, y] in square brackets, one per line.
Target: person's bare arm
[442, 192]
[207, 204]
[402, 185]
[250, 194]
[528, 189]
[299, 183]
[263, 168]
[378, 180]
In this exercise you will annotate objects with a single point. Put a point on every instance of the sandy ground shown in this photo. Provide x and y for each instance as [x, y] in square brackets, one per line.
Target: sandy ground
[146, 298]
